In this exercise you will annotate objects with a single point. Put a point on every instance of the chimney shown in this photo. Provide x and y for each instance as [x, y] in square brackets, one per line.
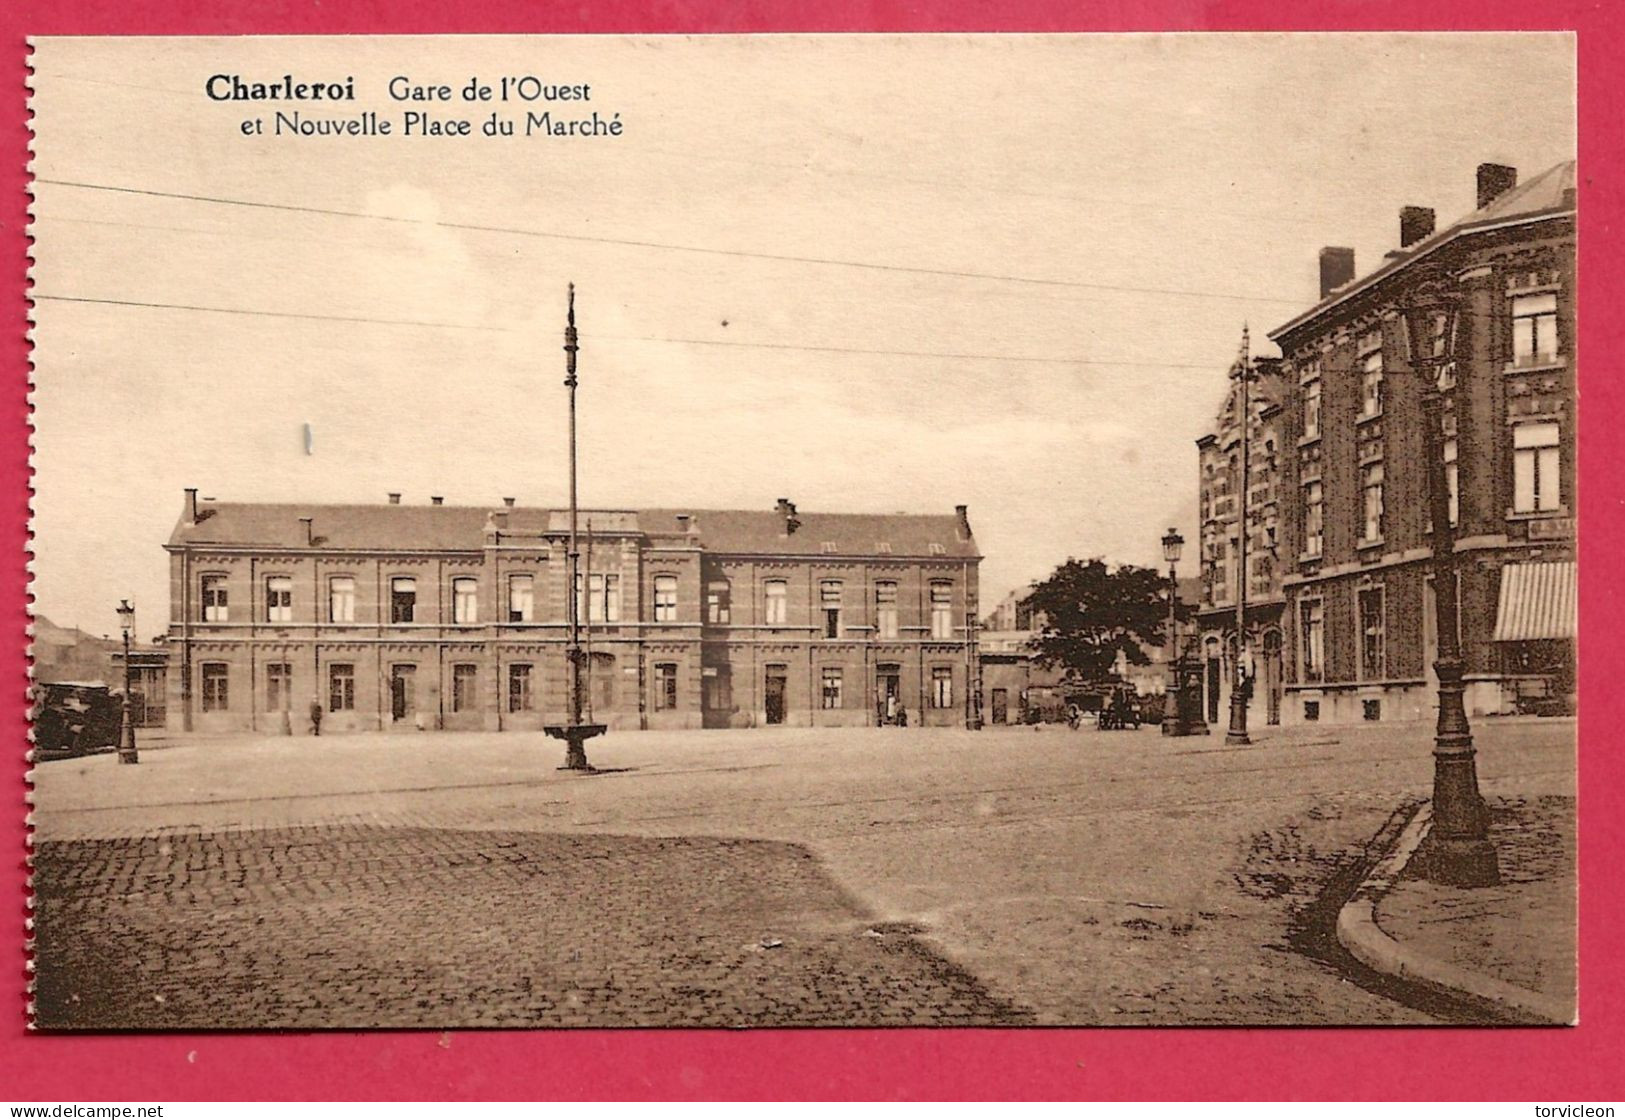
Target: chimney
[191, 505]
[394, 498]
[1415, 223]
[1336, 269]
[1494, 180]
[436, 500]
[508, 502]
[682, 522]
[787, 510]
[310, 530]
[963, 513]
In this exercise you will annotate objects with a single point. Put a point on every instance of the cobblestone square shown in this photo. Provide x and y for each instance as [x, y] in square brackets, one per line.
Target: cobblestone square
[796, 877]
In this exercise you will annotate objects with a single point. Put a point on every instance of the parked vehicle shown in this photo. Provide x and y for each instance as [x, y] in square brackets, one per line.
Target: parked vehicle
[1122, 711]
[72, 719]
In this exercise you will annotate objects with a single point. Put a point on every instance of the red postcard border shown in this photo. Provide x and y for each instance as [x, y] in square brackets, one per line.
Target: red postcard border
[1100, 1064]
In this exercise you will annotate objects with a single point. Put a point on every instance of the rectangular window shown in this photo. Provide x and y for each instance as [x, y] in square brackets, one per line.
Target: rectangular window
[1534, 329]
[832, 687]
[341, 688]
[603, 598]
[279, 599]
[942, 687]
[886, 609]
[214, 599]
[465, 600]
[1535, 456]
[1371, 373]
[1371, 502]
[278, 686]
[1373, 656]
[403, 599]
[1311, 409]
[718, 605]
[521, 598]
[665, 688]
[665, 598]
[829, 599]
[464, 679]
[519, 695]
[1314, 518]
[777, 600]
[341, 599]
[1452, 480]
[1312, 642]
[942, 609]
[216, 696]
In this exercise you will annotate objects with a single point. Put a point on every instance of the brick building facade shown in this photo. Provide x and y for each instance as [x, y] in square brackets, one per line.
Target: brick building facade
[407, 617]
[1219, 464]
[1356, 548]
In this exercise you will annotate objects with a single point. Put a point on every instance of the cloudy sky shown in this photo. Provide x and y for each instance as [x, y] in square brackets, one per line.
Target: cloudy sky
[866, 273]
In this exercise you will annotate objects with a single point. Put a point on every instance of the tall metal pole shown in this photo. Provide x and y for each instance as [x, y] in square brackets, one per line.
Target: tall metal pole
[575, 757]
[1458, 850]
[1170, 704]
[126, 743]
[1237, 735]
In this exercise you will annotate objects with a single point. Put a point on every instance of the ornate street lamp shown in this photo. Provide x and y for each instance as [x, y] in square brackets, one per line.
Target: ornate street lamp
[1236, 735]
[1172, 545]
[1458, 849]
[126, 740]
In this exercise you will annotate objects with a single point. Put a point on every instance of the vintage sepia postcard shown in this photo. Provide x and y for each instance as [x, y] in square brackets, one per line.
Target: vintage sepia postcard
[803, 530]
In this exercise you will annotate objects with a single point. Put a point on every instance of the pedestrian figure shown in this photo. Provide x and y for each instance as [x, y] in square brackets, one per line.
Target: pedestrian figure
[1074, 716]
[891, 709]
[316, 717]
[902, 717]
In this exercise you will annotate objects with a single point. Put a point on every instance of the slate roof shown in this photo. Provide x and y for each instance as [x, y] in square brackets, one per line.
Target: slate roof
[1548, 194]
[453, 528]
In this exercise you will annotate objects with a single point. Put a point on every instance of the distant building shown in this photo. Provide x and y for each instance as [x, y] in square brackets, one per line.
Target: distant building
[1355, 549]
[1016, 686]
[1220, 510]
[404, 617]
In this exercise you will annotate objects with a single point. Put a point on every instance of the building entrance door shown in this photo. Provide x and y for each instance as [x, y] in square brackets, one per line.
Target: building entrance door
[1272, 676]
[777, 680]
[889, 693]
[1001, 705]
[402, 702]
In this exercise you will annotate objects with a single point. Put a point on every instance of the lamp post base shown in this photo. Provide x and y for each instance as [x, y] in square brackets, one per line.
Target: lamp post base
[1237, 735]
[1454, 862]
[575, 738]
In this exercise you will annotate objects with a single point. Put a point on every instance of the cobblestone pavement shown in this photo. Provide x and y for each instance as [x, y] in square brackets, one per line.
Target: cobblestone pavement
[1522, 931]
[1087, 877]
[371, 926]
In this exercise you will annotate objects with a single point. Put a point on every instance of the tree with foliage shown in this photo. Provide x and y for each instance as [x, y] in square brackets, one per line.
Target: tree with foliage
[1091, 613]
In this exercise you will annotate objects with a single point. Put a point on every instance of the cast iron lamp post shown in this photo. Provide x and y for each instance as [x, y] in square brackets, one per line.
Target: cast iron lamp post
[1458, 850]
[1172, 544]
[126, 738]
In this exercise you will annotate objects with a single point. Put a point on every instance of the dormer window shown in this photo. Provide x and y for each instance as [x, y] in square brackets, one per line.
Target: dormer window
[827, 546]
[883, 546]
[937, 549]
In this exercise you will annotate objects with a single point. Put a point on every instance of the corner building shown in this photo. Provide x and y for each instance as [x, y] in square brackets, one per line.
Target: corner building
[1356, 551]
[417, 617]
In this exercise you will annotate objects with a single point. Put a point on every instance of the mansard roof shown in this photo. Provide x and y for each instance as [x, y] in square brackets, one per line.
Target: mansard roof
[1548, 195]
[442, 528]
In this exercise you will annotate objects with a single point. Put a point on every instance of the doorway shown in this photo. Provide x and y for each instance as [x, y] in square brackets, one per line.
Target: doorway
[777, 682]
[402, 699]
[1001, 705]
[888, 693]
[1273, 684]
[1215, 671]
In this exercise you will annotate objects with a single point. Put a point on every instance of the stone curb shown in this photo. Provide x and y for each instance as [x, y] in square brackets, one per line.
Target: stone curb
[1358, 932]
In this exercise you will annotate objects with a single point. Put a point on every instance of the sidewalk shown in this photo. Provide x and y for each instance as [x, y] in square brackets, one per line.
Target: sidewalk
[1509, 949]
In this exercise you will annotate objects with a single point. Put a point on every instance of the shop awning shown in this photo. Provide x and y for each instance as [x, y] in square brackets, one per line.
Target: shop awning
[1538, 601]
